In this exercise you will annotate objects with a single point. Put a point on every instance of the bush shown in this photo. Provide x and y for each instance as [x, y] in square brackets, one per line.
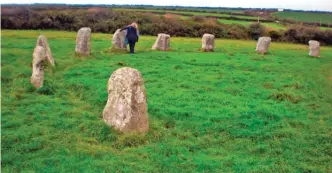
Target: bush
[256, 30]
[302, 34]
[290, 35]
[236, 32]
[107, 21]
[198, 18]
[275, 35]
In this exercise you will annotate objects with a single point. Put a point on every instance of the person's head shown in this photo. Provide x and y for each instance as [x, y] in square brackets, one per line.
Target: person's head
[134, 25]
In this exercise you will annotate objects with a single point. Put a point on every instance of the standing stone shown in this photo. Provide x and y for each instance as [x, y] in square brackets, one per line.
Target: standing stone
[162, 42]
[208, 42]
[126, 109]
[314, 48]
[39, 57]
[119, 40]
[42, 41]
[263, 44]
[83, 42]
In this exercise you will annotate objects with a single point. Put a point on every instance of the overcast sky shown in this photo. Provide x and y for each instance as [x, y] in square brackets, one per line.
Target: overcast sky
[325, 5]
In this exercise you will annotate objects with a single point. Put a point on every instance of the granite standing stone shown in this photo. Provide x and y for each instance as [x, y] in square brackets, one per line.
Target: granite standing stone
[126, 109]
[162, 42]
[119, 40]
[263, 44]
[83, 42]
[42, 41]
[314, 48]
[208, 42]
[38, 63]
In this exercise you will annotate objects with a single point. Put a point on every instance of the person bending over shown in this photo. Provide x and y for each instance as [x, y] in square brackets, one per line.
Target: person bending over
[132, 35]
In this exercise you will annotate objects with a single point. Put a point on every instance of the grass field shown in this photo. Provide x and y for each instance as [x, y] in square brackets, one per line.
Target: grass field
[247, 23]
[244, 23]
[228, 111]
[306, 16]
[186, 13]
[222, 10]
[274, 26]
[325, 28]
[298, 16]
[197, 9]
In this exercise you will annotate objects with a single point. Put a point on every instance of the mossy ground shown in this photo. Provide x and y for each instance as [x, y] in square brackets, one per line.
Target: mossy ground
[230, 110]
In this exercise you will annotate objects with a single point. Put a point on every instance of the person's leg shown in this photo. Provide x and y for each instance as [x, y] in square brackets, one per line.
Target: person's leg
[132, 46]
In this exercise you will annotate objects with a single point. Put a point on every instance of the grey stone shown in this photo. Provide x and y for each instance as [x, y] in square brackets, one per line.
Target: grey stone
[42, 41]
[126, 109]
[314, 48]
[263, 44]
[83, 42]
[162, 42]
[208, 42]
[118, 41]
[38, 63]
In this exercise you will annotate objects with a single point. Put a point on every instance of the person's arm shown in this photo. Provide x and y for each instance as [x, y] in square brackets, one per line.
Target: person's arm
[124, 28]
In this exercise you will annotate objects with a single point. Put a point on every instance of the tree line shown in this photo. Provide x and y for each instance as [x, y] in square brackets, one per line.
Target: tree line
[106, 20]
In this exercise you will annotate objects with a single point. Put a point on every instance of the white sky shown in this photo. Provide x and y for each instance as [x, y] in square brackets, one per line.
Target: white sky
[324, 5]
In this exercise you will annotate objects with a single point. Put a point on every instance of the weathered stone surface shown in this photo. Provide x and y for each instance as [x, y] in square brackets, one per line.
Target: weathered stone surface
[118, 41]
[42, 41]
[263, 44]
[126, 109]
[208, 42]
[38, 62]
[162, 42]
[314, 48]
[83, 42]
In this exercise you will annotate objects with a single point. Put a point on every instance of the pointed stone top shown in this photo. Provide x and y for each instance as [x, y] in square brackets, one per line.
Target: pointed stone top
[42, 41]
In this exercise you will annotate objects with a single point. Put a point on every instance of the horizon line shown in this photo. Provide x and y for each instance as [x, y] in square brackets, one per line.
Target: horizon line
[221, 7]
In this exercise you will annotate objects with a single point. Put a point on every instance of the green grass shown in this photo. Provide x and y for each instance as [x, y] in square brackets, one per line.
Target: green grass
[275, 26]
[240, 22]
[306, 16]
[185, 12]
[325, 28]
[231, 110]
[247, 23]
[223, 10]
[298, 16]
[197, 9]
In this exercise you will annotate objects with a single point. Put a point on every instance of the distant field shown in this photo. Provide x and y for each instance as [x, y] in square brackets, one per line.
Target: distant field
[247, 23]
[274, 26]
[325, 28]
[231, 110]
[186, 12]
[268, 25]
[240, 22]
[306, 16]
[209, 10]
[225, 10]
[298, 16]
[244, 23]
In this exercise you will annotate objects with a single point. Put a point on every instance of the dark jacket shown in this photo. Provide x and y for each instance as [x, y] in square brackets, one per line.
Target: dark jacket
[132, 33]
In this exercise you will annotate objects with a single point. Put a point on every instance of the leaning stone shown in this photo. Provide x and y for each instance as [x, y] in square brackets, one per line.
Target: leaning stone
[42, 41]
[263, 44]
[208, 42]
[126, 109]
[83, 42]
[314, 48]
[119, 40]
[162, 42]
[38, 61]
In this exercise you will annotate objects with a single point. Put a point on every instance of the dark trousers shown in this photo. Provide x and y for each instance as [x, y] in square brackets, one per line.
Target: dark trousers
[131, 46]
